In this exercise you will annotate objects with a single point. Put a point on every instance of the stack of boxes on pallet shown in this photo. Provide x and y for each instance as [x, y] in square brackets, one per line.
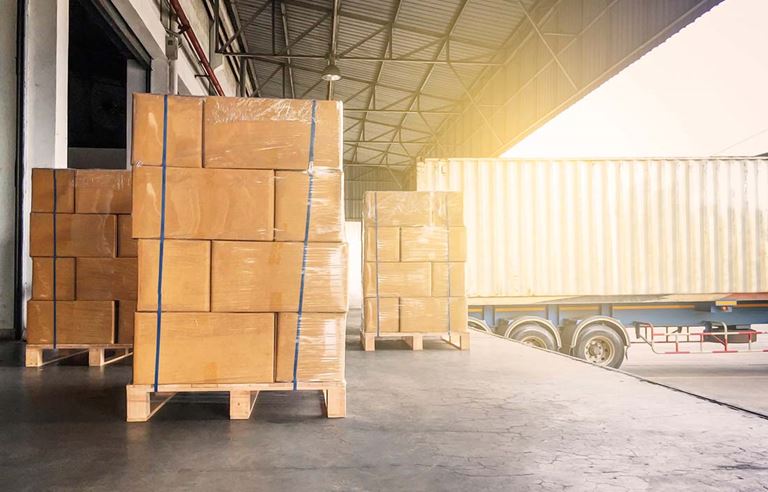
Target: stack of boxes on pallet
[413, 263]
[234, 249]
[94, 257]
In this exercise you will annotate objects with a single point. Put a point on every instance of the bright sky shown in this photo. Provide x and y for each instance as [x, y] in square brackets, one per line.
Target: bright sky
[702, 92]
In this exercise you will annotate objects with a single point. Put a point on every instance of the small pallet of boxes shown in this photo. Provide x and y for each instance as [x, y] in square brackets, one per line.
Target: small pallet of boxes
[80, 242]
[237, 209]
[414, 251]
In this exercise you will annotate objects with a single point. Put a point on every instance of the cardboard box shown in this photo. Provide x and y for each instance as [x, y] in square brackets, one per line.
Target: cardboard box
[42, 279]
[398, 279]
[77, 322]
[76, 235]
[264, 277]
[430, 314]
[105, 279]
[440, 277]
[127, 247]
[184, 142]
[103, 191]
[42, 190]
[413, 208]
[389, 317]
[126, 311]
[432, 243]
[261, 133]
[205, 348]
[186, 275]
[205, 204]
[327, 211]
[389, 244]
[321, 347]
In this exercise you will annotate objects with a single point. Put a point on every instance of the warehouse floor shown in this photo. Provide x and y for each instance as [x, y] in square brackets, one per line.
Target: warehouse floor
[501, 417]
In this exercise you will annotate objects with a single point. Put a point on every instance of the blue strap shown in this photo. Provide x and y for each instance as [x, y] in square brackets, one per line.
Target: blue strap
[376, 258]
[55, 200]
[311, 173]
[162, 243]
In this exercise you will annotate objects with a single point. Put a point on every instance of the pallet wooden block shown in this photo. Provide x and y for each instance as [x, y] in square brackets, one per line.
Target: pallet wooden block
[141, 405]
[414, 340]
[97, 354]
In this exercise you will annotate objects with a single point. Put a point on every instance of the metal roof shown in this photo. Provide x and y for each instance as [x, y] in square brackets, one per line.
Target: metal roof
[406, 64]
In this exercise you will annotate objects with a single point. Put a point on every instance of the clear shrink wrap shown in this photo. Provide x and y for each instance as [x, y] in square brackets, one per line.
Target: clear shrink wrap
[327, 210]
[433, 243]
[103, 191]
[76, 322]
[266, 276]
[384, 310]
[186, 275]
[321, 347]
[42, 190]
[127, 247]
[42, 279]
[184, 140]
[413, 208]
[205, 348]
[397, 279]
[261, 133]
[388, 244]
[235, 204]
[431, 314]
[441, 277]
[76, 235]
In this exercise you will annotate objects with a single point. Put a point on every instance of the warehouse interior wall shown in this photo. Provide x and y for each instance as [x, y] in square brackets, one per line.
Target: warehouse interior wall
[353, 232]
[7, 162]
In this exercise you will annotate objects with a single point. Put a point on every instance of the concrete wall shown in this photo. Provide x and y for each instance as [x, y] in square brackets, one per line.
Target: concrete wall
[7, 161]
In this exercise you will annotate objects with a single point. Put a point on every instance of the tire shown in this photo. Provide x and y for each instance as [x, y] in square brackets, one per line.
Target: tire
[601, 346]
[478, 324]
[535, 335]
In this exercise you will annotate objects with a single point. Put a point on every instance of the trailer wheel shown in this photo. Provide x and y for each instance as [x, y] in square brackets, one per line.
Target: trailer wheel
[535, 335]
[600, 345]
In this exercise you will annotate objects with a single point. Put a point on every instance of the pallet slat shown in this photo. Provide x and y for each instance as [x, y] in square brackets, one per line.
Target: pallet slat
[414, 340]
[97, 354]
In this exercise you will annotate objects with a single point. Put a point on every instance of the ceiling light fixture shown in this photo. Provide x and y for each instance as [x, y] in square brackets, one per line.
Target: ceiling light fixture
[331, 73]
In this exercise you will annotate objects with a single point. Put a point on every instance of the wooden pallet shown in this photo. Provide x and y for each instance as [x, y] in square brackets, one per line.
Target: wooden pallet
[97, 353]
[414, 340]
[141, 406]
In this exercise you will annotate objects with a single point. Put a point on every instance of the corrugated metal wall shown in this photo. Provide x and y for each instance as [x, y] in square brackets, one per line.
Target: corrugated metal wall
[629, 227]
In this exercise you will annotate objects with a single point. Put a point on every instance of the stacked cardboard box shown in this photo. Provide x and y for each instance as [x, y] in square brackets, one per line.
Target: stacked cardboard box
[413, 270]
[95, 257]
[236, 193]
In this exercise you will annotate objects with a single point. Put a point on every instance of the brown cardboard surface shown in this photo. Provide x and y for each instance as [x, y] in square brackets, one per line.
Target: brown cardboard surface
[186, 275]
[126, 311]
[205, 204]
[398, 279]
[389, 243]
[261, 133]
[105, 279]
[127, 247]
[431, 243]
[76, 321]
[430, 314]
[197, 348]
[263, 277]
[327, 210]
[42, 279]
[413, 208]
[184, 143]
[389, 317]
[103, 191]
[42, 190]
[76, 235]
[440, 278]
[321, 347]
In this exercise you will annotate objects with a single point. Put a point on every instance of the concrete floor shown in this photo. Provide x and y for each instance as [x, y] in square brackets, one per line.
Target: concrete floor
[501, 417]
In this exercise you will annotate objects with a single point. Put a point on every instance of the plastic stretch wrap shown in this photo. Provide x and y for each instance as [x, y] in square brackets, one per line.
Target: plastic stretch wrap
[260, 133]
[397, 279]
[198, 348]
[388, 314]
[327, 209]
[42, 190]
[431, 314]
[413, 208]
[433, 243]
[204, 204]
[441, 276]
[388, 244]
[76, 321]
[127, 247]
[321, 346]
[102, 191]
[105, 279]
[76, 235]
[263, 277]
[186, 275]
[42, 279]
[185, 131]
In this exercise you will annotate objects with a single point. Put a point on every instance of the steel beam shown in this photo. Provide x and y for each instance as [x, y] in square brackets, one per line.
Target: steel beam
[370, 59]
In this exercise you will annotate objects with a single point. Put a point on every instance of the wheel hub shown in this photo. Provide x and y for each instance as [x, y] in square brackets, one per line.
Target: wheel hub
[534, 341]
[598, 350]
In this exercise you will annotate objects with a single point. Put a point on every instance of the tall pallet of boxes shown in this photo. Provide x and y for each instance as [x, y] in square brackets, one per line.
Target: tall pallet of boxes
[414, 250]
[238, 212]
[80, 241]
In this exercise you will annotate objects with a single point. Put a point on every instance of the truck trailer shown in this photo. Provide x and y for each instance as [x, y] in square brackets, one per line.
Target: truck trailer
[589, 256]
